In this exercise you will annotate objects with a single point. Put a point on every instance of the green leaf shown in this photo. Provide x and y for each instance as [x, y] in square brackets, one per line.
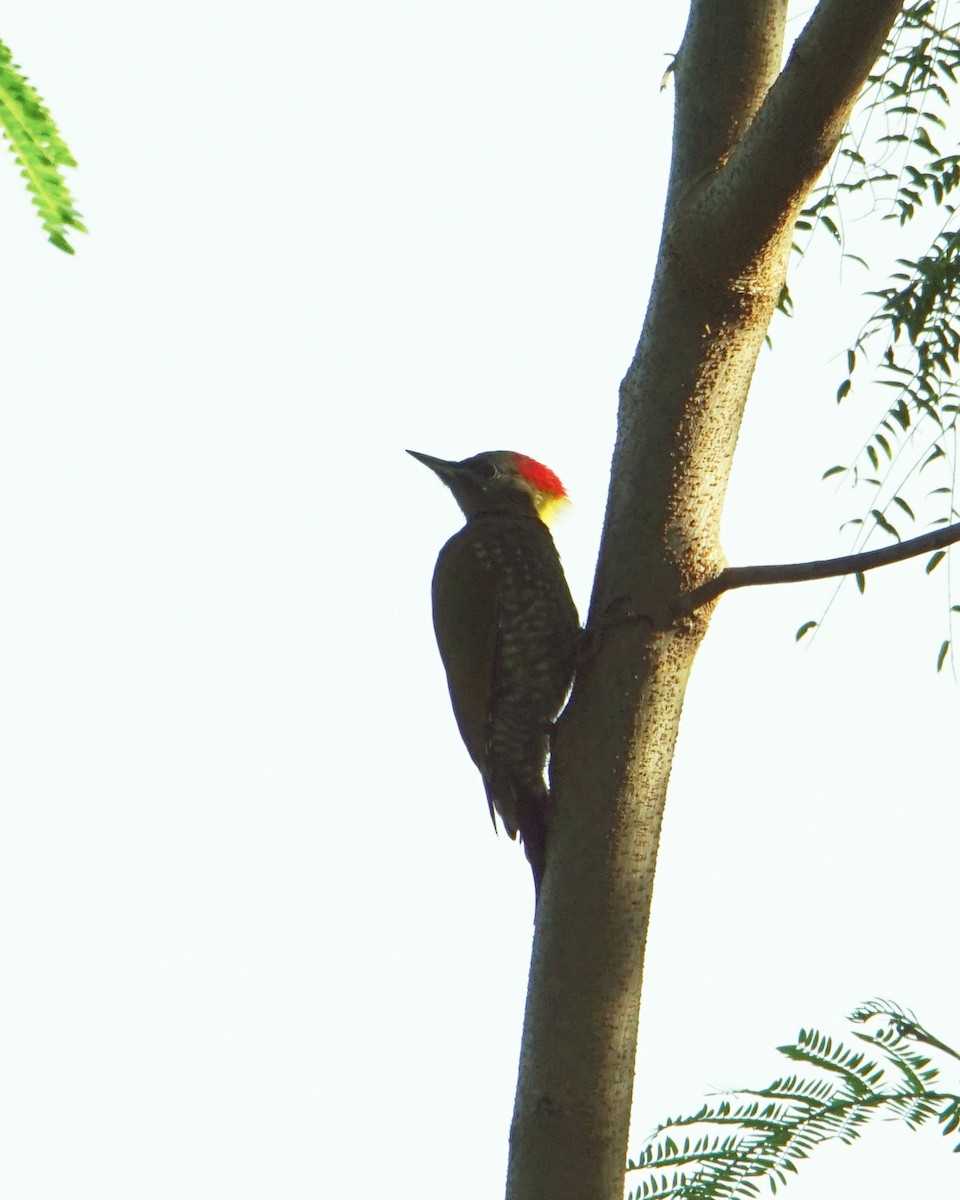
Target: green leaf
[830, 225]
[935, 560]
[901, 414]
[804, 630]
[898, 500]
[833, 471]
[941, 657]
[922, 139]
[40, 152]
[884, 524]
[843, 390]
[861, 582]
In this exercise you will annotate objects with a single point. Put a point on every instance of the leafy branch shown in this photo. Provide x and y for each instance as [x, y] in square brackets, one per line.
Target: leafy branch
[824, 568]
[892, 158]
[724, 1150]
[40, 151]
[893, 164]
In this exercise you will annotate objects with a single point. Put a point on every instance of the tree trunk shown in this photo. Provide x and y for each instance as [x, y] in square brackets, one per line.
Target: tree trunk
[749, 142]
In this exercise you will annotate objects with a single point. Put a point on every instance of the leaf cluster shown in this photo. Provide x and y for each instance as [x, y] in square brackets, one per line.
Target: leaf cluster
[39, 150]
[897, 154]
[727, 1149]
[912, 338]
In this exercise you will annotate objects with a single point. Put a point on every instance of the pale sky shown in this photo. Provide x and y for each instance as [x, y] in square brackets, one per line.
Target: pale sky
[258, 937]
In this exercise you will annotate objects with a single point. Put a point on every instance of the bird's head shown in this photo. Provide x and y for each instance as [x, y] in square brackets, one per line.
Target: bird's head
[500, 482]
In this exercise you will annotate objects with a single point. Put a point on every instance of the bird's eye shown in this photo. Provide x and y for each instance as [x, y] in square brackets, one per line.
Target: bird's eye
[488, 471]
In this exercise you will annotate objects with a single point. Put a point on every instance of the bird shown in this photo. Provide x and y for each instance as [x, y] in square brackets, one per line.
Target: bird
[508, 631]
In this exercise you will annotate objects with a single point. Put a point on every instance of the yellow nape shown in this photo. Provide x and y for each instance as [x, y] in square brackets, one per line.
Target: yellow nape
[548, 505]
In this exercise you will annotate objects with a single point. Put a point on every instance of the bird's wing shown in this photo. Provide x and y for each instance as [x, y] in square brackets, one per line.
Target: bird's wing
[466, 607]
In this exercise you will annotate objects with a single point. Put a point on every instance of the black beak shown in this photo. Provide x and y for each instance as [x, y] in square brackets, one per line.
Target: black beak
[440, 466]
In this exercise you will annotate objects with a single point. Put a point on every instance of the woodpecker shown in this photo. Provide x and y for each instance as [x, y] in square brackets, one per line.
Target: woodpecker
[507, 629]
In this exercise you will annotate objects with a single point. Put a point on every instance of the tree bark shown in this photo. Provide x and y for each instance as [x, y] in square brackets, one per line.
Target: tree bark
[750, 141]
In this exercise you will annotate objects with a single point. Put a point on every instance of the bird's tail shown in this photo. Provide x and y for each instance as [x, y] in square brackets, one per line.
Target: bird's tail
[523, 807]
[532, 820]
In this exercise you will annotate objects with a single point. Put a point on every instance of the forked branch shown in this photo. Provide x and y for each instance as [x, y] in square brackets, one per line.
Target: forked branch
[824, 568]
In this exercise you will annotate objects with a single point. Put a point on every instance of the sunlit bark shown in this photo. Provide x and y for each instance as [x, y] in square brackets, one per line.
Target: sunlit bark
[750, 140]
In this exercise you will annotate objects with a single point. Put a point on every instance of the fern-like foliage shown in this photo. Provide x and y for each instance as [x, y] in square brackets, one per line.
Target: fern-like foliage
[726, 1150]
[39, 150]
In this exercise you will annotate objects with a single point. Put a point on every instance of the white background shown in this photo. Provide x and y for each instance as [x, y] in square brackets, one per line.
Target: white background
[257, 938]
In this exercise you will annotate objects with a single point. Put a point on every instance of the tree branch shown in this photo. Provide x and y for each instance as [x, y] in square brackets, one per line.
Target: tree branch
[790, 141]
[730, 54]
[825, 568]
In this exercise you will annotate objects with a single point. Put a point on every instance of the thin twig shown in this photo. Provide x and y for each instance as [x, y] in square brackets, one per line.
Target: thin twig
[825, 568]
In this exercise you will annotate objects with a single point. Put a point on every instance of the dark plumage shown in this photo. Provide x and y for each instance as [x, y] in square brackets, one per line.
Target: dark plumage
[507, 629]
